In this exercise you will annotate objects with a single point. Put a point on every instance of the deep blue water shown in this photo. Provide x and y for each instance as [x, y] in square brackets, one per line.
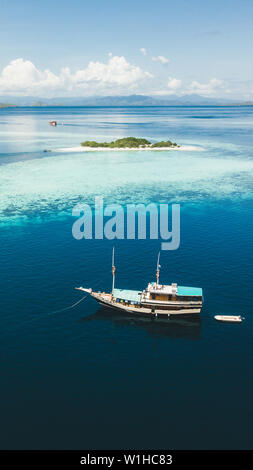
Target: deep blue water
[93, 378]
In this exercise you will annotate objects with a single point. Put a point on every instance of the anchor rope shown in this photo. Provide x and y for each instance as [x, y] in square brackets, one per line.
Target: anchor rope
[37, 317]
[69, 307]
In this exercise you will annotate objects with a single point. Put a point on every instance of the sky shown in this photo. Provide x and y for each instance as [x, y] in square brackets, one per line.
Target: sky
[108, 47]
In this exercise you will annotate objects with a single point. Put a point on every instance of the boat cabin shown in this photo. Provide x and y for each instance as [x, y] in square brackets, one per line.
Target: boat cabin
[172, 292]
[158, 294]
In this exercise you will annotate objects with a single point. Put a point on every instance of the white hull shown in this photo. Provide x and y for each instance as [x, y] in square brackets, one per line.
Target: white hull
[176, 308]
[229, 318]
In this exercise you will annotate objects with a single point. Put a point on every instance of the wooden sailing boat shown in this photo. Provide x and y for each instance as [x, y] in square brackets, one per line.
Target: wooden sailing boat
[156, 300]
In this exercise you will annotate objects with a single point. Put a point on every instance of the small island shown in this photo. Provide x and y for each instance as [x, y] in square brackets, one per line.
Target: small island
[129, 143]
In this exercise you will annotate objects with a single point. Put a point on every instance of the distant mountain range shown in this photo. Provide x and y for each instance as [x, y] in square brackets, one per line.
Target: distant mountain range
[130, 100]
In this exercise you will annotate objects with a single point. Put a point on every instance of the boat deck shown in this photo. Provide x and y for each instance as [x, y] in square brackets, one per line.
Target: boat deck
[106, 299]
[131, 305]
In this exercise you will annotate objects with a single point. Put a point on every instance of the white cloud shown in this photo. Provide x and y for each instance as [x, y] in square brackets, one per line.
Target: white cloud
[206, 89]
[22, 76]
[115, 76]
[161, 59]
[143, 50]
[173, 87]
[174, 84]
[212, 88]
[118, 71]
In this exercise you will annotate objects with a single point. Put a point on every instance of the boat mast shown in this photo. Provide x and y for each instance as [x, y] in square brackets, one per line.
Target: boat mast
[113, 270]
[158, 268]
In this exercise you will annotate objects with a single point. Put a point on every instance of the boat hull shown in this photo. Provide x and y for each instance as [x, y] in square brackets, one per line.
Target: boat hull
[229, 318]
[152, 311]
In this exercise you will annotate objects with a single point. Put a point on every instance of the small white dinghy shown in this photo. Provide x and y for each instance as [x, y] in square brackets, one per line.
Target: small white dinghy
[229, 318]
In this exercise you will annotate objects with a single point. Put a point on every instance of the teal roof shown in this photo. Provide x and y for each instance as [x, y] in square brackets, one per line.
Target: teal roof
[182, 290]
[129, 295]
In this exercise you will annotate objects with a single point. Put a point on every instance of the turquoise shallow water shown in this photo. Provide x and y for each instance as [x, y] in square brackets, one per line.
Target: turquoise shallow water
[38, 182]
[89, 378]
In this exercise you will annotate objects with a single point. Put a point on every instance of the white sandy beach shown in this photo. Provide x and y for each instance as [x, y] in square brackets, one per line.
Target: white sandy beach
[188, 148]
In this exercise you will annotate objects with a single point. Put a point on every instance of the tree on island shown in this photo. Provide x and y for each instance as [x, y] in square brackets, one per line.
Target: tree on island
[166, 143]
[128, 142]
